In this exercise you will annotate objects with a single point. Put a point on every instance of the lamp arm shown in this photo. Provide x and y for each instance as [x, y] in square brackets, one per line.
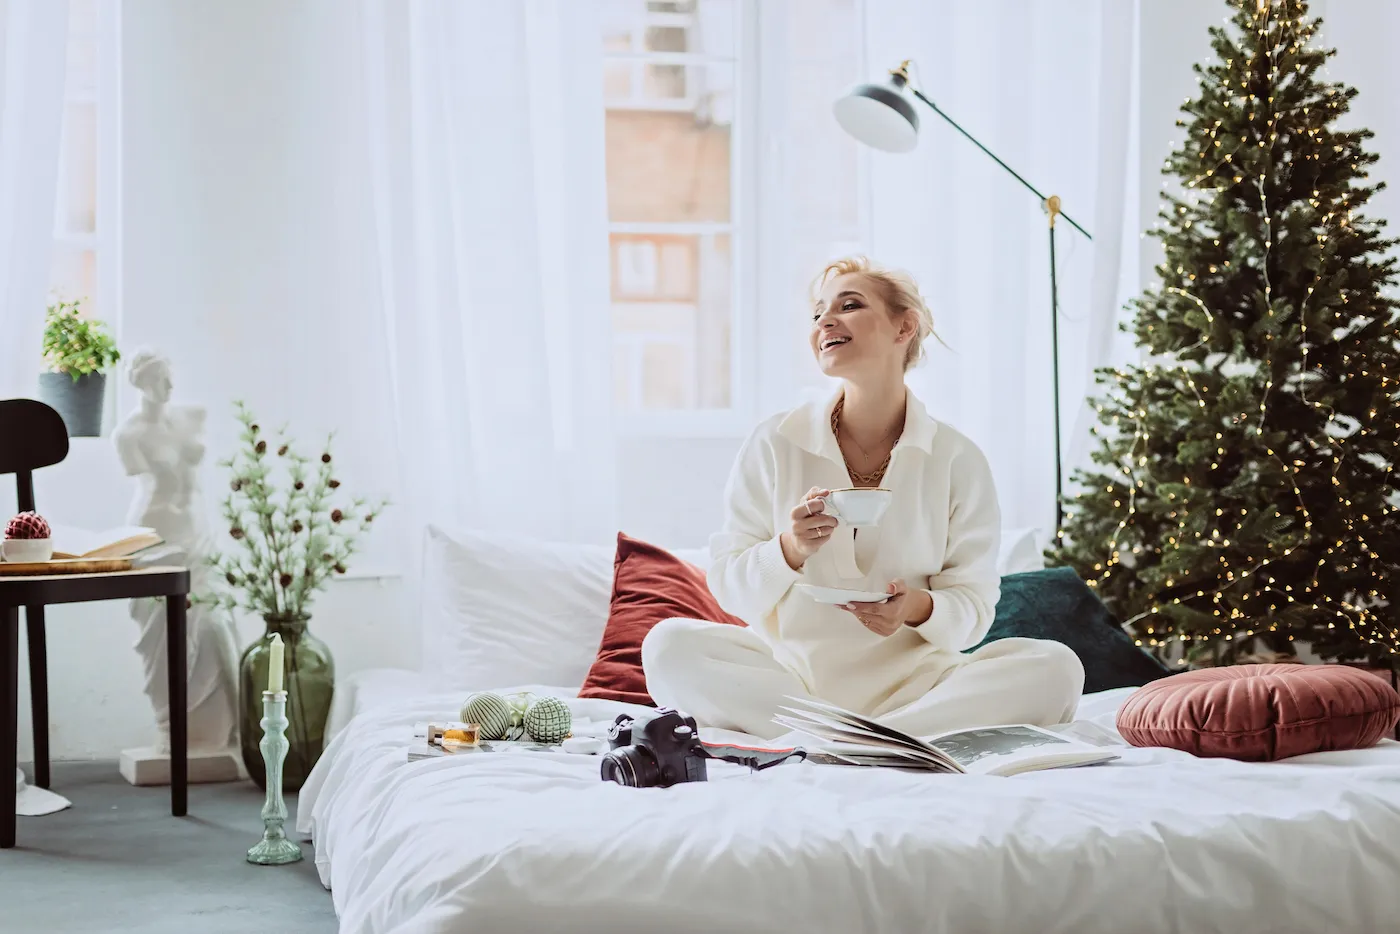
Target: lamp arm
[920, 95]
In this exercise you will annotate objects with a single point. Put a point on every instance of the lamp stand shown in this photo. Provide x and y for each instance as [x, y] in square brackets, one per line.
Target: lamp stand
[1051, 204]
[1052, 207]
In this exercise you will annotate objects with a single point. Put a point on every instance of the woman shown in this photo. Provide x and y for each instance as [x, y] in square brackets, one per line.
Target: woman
[934, 553]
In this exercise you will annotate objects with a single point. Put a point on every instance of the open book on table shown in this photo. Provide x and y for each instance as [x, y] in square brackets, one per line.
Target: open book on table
[853, 739]
[122, 542]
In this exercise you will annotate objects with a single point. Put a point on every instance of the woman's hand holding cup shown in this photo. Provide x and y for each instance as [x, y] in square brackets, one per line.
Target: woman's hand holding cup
[811, 528]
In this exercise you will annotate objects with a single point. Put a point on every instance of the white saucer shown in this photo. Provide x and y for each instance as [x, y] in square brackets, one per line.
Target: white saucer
[838, 595]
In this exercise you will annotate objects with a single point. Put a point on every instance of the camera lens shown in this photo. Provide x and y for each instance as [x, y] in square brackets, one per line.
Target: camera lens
[632, 766]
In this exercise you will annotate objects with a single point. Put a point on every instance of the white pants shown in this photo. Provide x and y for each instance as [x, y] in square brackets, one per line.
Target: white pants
[725, 676]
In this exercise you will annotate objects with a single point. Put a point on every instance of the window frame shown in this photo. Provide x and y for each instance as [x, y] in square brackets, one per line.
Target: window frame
[737, 419]
[760, 383]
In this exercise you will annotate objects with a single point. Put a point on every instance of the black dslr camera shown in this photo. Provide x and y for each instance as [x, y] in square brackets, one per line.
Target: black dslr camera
[661, 749]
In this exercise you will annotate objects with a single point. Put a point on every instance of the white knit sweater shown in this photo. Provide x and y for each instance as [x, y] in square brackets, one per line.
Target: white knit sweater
[941, 533]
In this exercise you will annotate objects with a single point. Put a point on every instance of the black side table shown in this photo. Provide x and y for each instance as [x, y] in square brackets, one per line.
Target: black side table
[34, 593]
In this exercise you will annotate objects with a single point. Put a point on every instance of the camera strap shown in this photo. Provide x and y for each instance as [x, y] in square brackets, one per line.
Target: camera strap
[754, 757]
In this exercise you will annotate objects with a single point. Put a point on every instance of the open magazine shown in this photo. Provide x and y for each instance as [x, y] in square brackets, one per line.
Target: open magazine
[427, 743]
[853, 739]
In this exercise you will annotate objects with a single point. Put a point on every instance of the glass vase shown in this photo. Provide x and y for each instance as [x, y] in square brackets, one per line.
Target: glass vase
[309, 680]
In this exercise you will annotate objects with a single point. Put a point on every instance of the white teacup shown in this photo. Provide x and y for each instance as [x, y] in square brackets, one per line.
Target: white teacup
[858, 507]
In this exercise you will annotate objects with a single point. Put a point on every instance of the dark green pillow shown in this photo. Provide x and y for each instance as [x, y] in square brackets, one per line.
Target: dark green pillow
[1056, 604]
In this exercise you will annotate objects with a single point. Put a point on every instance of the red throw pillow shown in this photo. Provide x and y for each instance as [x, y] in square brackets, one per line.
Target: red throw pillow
[1258, 713]
[649, 584]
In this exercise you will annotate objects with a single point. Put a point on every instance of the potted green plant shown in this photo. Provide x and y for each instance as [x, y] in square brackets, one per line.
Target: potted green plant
[77, 353]
[293, 529]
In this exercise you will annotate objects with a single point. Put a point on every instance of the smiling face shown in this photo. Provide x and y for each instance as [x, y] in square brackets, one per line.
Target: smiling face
[854, 332]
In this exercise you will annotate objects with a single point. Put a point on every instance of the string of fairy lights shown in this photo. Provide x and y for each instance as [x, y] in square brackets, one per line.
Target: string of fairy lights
[1294, 31]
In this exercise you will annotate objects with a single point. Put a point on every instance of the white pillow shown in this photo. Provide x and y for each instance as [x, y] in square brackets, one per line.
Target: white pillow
[1020, 551]
[502, 609]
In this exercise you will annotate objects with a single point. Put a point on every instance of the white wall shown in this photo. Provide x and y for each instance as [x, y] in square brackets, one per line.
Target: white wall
[671, 491]
[1173, 36]
[240, 190]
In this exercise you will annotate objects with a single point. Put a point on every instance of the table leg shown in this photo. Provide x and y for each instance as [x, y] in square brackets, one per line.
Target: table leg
[39, 692]
[179, 705]
[9, 717]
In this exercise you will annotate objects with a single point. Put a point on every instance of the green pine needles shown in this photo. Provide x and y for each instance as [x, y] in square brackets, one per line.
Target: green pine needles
[293, 530]
[1245, 496]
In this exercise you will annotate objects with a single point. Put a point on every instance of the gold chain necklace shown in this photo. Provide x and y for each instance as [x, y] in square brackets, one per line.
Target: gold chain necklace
[862, 479]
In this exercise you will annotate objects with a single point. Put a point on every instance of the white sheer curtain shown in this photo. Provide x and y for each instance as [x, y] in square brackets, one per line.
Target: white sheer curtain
[1042, 86]
[33, 58]
[1117, 223]
[485, 136]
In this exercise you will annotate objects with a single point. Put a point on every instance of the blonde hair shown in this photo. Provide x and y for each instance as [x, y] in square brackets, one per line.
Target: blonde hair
[899, 291]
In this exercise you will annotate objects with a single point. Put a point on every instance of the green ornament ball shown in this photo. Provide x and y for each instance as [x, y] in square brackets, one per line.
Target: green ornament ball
[489, 711]
[548, 720]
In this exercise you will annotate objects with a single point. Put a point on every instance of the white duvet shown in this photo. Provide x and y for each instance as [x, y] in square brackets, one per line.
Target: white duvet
[1157, 842]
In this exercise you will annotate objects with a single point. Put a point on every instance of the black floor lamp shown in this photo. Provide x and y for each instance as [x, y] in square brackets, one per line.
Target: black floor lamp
[881, 115]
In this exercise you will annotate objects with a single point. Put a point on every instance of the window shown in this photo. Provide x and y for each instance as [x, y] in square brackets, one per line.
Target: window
[729, 185]
[671, 76]
[85, 262]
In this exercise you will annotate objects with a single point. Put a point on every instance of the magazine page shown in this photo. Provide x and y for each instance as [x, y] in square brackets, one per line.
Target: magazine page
[854, 754]
[830, 723]
[813, 707]
[1007, 750]
[824, 731]
[995, 750]
[842, 741]
[829, 716]
[831, 728]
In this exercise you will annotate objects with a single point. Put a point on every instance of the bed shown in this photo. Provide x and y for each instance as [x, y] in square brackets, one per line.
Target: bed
[1157, 841]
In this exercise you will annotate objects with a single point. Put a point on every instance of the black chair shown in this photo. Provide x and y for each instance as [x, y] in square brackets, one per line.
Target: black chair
[32, 435]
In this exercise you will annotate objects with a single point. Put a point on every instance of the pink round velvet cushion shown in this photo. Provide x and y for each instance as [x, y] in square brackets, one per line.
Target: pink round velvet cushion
[1258, 713]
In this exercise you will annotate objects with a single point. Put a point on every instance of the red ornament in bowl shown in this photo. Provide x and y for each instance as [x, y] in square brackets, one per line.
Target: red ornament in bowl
[28, 525]
[27, 538]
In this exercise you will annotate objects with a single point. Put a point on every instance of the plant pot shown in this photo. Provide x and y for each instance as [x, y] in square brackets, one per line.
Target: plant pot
[79, 401]
[309, 681]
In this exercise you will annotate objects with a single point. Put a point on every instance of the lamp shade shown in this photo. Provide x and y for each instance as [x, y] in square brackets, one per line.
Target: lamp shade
[880, 115]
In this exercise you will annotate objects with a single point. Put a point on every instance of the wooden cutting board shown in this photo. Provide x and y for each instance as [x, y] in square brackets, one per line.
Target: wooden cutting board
[66, 566]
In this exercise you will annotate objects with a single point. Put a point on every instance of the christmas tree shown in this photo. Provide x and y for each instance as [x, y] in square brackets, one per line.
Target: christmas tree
[1244, 496]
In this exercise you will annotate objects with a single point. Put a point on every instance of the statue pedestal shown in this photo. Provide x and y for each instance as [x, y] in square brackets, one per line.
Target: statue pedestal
[147, 766]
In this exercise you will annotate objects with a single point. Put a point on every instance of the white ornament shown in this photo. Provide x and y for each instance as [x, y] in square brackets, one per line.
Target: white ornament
[162, 446]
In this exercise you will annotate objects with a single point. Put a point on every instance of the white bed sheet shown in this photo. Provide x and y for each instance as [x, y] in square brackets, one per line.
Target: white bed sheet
[1160, 841]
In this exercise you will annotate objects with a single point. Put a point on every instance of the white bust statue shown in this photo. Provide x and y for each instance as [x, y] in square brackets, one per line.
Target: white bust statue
[161, 445]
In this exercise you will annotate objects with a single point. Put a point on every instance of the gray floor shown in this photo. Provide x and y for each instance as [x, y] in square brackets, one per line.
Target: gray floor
[117, 861]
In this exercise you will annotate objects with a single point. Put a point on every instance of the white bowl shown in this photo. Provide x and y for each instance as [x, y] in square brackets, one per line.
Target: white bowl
[26, 549]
